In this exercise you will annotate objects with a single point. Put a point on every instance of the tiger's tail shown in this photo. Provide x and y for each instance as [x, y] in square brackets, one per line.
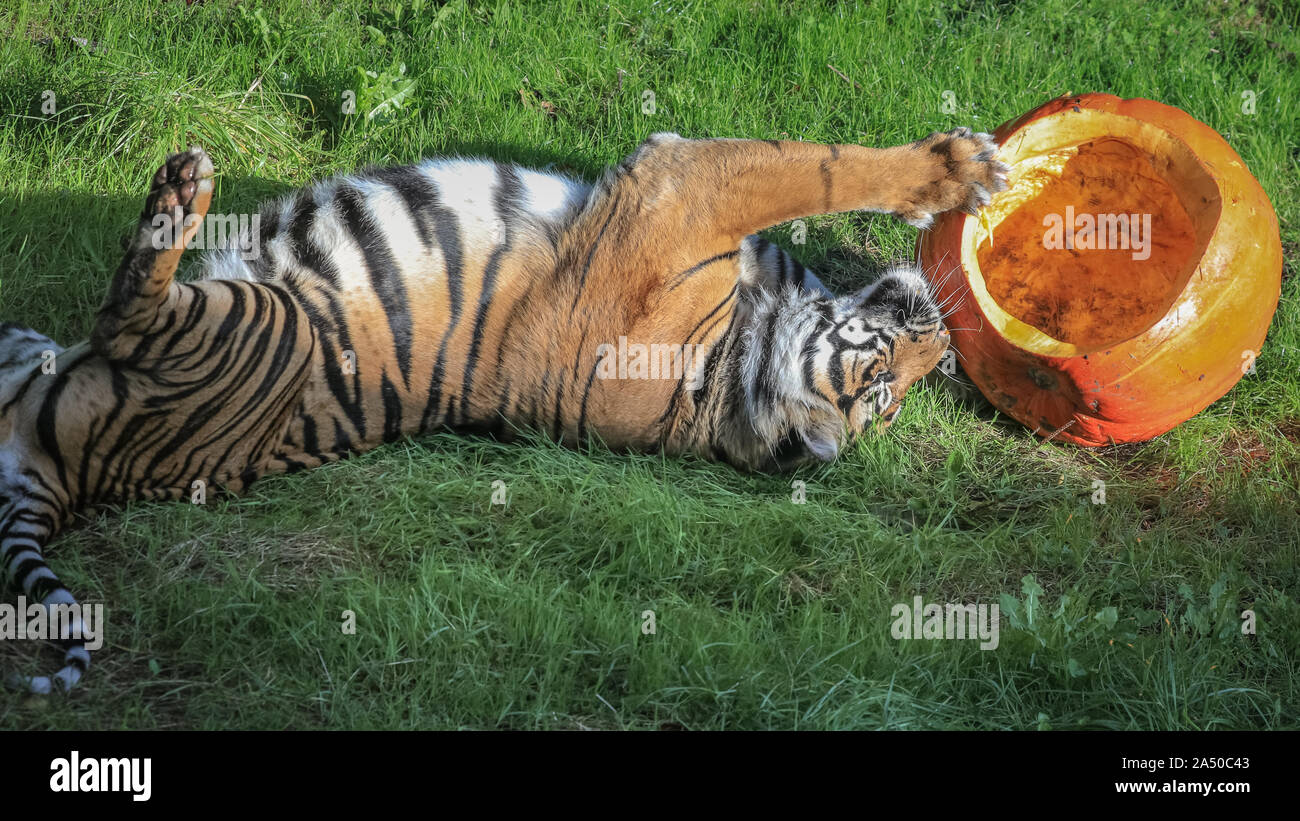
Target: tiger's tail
[24, 529]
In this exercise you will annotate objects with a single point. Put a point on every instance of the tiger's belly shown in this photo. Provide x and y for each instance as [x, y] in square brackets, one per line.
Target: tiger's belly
[515, 361]
[442, 295]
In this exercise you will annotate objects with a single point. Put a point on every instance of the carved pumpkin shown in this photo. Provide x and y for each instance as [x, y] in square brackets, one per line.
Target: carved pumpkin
[1124, 280]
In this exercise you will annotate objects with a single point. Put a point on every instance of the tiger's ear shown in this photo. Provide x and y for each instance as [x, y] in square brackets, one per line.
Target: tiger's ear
[821, 444]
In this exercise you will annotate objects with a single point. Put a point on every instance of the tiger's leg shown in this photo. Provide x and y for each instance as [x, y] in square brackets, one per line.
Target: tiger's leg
[173, 212]
[30, 513]
[690, 202]
[742, 186]
[29, 517]
[32, 507]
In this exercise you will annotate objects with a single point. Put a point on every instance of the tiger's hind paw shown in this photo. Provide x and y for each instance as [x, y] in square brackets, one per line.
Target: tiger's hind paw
[182, 189]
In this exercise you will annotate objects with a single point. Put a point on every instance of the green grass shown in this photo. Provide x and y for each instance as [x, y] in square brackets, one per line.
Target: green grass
[769, 614]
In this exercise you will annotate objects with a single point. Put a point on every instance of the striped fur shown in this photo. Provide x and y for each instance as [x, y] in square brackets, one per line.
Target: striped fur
[479, 296]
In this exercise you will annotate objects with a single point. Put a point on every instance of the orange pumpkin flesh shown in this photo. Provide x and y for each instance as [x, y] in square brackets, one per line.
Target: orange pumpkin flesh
[1128, 332]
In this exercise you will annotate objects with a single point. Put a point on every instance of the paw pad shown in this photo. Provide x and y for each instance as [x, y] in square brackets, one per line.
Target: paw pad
[179, 180]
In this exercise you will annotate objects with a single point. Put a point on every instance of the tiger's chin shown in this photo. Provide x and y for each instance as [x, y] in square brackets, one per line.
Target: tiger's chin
[796, 450]
[820, 442]
[814, 440]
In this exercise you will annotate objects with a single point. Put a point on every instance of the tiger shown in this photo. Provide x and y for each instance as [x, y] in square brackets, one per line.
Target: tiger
[478, 296]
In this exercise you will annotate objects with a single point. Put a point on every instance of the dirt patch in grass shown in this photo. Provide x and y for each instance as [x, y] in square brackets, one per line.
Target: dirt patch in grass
[1245, 450]
[284, 562]
[813, 586]
[1129, 466]
[1159, 488]
[119, 676]
[1290, 430]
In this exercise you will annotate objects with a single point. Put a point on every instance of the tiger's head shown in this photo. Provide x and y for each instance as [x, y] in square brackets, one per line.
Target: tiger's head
[859, 357]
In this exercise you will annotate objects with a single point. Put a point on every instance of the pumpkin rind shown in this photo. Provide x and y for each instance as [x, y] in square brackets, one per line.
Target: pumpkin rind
[1143, 386]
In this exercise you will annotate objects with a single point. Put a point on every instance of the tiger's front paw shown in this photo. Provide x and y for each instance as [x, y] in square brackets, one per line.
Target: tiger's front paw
[957, 170]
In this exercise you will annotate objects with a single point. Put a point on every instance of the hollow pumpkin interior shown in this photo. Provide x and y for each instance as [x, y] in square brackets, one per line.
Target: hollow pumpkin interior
[1103, 224]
